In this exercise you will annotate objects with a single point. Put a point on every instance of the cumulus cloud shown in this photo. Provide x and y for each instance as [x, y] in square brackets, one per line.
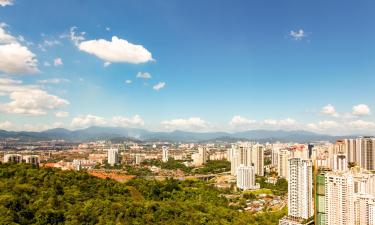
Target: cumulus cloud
[159, 86]
[15, 58]
[61, 114]
[361, 124]
[117, 121]
[58, 62]
[238, 121]
[5, 37]
[128, 82]
[27, 99]
[330, 110]
[125, 122]
[115, 51]
[6, 2]
[361, 110]
[144, 75]
[190, 123]
[88, 120]
[5, 125]
[298, 35]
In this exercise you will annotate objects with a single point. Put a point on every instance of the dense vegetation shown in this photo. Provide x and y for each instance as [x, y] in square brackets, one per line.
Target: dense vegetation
[171, 164]
[29, 195]
[214, 166]
[280, 188]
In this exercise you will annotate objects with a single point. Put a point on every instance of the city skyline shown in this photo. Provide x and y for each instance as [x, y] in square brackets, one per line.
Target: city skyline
[195, 66]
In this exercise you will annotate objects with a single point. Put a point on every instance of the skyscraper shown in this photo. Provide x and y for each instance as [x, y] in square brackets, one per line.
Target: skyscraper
[300, 199]
[165, 154]
[339, 201]
[112, 155]
[257, 159]
[283, 165]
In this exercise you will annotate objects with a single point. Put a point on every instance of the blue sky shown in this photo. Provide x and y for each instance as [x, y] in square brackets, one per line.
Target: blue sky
[212, 65]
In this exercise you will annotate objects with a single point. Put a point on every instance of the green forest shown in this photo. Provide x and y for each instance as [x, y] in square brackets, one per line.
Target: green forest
[32, 195]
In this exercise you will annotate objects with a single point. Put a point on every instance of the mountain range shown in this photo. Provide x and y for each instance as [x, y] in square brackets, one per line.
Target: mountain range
[108, 133]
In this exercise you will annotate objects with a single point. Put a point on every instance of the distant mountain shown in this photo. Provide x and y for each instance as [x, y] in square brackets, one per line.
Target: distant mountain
[119, 133]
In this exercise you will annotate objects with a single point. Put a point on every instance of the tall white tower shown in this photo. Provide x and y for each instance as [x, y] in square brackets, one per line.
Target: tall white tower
[112, 155]
[165, 154]
[300, 196]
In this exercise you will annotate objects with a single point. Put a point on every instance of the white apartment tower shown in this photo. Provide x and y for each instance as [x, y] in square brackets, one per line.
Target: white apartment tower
[246, 177]
[300, 196]
[340, 163]
[339, 198]
[165, 154]
[112, 155]
[257, 159]
[283, 164]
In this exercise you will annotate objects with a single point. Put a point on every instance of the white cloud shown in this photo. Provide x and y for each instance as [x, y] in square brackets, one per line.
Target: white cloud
[58, 62]
[298, 35]
[115, 51]
[117, 121]
[53, 81]
[6, 125]
[126, 122]
[241, 121]
[17, 59]
[363, 125]
[144, 75]
[48, 43]
[361, 110]
[128, 82]
[190, 123]
[327, 124]
[46, 64]
[88, 120]
[5, 37]
[159, 86]
[28, 99]
[61, 114]
[76, 38]
[106, 64]
[6, 2]
[330, 110]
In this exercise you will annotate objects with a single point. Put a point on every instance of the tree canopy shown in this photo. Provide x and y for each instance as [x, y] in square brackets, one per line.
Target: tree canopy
[32, 195]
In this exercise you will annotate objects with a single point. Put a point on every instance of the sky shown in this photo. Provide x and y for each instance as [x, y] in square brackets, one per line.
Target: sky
[194, 65]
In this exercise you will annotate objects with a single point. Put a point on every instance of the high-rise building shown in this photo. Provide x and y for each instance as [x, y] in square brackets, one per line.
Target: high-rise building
[165, 154]
[300, 196]
[113, 157]
[246, 178]
[368, 153]
[257, 159]
[340, 163]
[363, 204]
[203, 152]
[283, 165]
[339, 198]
